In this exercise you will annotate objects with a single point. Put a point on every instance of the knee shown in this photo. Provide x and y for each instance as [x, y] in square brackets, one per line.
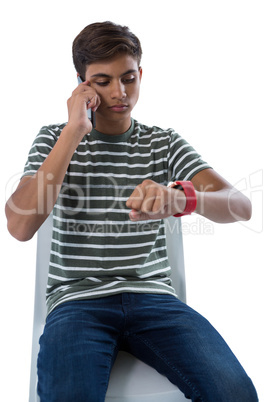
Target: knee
[239, 388]
[247, 391]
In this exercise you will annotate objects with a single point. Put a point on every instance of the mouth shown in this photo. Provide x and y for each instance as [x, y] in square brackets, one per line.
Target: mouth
[119, 108]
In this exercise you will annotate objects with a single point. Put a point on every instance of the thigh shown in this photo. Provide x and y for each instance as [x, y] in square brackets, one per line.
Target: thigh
[77, 350]
[183, 345]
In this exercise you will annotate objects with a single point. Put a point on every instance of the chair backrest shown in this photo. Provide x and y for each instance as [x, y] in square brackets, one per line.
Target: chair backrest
[176, 259]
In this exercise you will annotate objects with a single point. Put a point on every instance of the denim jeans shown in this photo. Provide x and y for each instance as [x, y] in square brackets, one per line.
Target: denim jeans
[81, 340]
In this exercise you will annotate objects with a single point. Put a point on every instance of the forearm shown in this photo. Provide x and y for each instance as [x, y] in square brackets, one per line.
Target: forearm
[34, 199]
[223, 206]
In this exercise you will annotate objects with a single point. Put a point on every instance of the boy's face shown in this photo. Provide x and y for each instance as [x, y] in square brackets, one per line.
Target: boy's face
[117, 82]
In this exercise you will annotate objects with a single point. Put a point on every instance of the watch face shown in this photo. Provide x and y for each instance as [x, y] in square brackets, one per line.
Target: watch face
[175, 184]
[178, 186]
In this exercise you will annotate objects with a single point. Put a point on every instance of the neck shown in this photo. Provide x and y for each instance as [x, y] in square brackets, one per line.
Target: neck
[113, 127]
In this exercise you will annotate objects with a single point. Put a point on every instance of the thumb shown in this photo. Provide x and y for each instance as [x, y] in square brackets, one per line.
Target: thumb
[138, 215]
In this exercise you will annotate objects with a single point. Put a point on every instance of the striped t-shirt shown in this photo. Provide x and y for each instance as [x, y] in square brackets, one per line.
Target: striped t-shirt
[96, 250]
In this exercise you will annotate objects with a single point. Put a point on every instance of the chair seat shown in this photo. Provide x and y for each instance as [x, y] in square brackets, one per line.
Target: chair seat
[131, 381]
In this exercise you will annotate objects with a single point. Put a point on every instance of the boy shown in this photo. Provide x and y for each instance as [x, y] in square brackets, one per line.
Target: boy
[109, 284]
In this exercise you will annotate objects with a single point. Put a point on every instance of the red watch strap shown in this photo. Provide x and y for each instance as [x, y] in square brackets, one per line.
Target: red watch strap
[189, 191]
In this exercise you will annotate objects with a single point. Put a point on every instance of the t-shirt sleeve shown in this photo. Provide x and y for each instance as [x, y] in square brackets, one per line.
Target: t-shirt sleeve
[183, 160]
[40, 149]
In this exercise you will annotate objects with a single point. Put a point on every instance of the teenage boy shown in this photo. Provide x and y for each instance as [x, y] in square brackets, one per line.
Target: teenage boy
[109, 284]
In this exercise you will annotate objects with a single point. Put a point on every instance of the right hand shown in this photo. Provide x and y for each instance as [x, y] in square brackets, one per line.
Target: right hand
[83, 98]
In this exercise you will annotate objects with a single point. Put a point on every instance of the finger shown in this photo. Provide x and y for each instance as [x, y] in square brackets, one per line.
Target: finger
[142, 216]
[154, 200]
[81, 87]
[159, 204]
[148, 201]
[87, 82]
[136, 198]
[138, 216]
[97, 103]
[93, 104]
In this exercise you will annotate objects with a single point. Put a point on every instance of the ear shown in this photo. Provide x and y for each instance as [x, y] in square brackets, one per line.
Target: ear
[79, 75]
[140, 71]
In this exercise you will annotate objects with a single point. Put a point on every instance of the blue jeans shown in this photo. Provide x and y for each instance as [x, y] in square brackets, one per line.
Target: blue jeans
[81, 340]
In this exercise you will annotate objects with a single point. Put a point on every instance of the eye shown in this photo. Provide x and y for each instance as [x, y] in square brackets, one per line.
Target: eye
[102, 83]
[129, 80]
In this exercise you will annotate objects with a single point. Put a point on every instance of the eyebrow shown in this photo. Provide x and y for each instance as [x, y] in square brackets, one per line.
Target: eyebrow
[109, 76]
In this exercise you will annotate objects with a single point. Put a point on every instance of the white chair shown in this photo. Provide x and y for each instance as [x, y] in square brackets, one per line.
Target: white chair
[131, 380]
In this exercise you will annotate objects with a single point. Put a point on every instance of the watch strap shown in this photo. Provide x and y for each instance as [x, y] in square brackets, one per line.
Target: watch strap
[188, 188]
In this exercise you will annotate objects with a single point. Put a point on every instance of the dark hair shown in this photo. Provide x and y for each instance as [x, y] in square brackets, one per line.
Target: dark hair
[102, 41]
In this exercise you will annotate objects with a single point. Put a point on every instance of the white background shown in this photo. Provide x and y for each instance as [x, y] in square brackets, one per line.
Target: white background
[205, 70]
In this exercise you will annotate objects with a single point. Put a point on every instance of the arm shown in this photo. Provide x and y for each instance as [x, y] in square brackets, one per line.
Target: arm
[35, 196]
[217, 200]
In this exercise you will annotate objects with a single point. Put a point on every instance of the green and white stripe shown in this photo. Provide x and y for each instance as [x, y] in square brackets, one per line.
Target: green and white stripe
[96, 250]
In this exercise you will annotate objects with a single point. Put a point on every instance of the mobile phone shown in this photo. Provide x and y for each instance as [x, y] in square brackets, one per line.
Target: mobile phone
[90, 114]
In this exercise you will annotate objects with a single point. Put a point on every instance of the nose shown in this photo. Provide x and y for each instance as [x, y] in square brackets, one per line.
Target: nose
[118, 90]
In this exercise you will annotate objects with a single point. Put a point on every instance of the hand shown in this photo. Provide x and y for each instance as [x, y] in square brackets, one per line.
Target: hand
[83, 98]
[151, 200]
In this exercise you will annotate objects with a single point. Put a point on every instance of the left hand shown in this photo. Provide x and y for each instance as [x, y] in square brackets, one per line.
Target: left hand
[151, 200]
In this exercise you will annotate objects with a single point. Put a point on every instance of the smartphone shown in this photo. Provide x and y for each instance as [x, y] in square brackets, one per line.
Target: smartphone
[90, 114]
